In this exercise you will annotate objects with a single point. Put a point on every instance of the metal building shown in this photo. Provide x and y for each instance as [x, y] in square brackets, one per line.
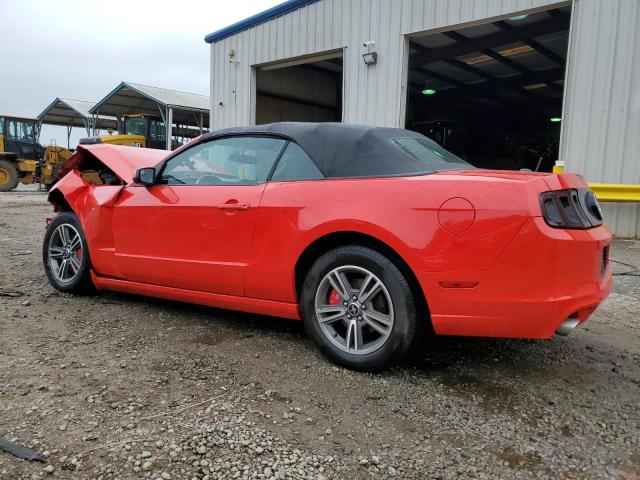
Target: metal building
[503, 83]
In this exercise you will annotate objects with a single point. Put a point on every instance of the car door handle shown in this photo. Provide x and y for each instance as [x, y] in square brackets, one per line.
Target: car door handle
[233, 206]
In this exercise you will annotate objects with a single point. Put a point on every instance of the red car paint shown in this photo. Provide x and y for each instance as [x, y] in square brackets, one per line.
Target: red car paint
[487, 262]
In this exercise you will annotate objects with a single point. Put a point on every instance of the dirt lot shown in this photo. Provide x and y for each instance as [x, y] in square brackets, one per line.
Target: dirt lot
[117, 386]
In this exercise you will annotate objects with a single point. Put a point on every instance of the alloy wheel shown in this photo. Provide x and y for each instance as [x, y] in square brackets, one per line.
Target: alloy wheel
[65, 253]
[354, 310]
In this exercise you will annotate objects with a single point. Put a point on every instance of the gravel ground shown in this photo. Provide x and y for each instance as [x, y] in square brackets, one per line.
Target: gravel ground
[118, 386]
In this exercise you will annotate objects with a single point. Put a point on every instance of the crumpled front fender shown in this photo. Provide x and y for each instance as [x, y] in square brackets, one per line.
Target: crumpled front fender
[93, 204]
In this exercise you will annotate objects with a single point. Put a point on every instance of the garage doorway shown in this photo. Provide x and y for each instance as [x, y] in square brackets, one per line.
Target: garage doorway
[493, 93]
[303, 90]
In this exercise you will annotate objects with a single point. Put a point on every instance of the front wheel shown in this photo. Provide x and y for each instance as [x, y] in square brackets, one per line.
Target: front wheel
[66, 256]
[359, 308]
[8, 176]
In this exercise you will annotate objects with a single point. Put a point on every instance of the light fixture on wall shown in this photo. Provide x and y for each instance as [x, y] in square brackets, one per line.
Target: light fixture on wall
[232, 56]
[370, 57]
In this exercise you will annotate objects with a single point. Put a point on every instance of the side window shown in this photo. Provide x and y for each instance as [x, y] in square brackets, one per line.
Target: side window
[295, 164]
[239, 160]
[12, 130]
[27, 131]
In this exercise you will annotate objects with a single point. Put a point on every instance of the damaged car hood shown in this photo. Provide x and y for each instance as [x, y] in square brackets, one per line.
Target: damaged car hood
[123, 161]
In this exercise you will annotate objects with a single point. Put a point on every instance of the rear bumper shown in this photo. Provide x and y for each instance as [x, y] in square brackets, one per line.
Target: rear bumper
[544, 277]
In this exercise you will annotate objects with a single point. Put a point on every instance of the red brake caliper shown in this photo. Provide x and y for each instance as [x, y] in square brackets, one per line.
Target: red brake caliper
[334, 297]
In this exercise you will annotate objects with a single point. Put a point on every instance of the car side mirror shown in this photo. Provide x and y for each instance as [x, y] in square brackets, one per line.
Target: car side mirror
[145, 176]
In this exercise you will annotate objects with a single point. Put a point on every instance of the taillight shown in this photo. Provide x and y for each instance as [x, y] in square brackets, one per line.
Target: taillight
[605, 260]
[593, 207]
[570, 208]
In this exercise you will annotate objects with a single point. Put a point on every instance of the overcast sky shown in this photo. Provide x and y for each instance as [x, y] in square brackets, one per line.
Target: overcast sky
[82, 49]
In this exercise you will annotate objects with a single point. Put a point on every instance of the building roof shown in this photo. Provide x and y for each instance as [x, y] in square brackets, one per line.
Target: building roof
[133, 98]
[75, 113]
[262, 17]
[17, 117]
[342, 150]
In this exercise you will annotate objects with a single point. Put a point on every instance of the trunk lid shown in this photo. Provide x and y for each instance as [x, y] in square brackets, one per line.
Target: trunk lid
[518, 176]
[554, 181]
[525, 188]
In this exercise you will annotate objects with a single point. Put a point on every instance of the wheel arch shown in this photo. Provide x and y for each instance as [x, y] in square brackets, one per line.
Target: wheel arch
[333, 240]
[59, 202]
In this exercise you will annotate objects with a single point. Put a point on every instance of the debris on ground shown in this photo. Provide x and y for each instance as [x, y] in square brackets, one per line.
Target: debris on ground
[20, 451]
[9, 293]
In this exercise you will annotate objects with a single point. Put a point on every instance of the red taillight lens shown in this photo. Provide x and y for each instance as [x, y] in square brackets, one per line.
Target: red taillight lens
[562, 209]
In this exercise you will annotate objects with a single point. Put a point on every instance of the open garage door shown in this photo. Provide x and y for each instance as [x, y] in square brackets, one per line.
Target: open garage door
[493, 93]
[306, 90]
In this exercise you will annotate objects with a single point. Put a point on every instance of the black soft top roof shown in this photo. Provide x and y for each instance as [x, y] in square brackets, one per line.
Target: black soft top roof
[344, 150]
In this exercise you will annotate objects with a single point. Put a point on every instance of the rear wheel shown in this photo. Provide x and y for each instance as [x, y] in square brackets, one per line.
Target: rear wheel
[359, 309]
[8, 176]
[66, 256]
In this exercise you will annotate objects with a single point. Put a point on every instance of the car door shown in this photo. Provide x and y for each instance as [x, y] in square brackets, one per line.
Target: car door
[193, 228]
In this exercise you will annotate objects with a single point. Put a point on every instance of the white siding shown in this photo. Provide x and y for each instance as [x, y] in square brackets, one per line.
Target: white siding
[372, 95]
[601, 128]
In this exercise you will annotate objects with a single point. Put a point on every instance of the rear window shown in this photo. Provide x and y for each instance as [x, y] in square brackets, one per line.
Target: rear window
[430, 156]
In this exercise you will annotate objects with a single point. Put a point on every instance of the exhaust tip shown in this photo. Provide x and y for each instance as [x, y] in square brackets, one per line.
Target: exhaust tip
[567, 326]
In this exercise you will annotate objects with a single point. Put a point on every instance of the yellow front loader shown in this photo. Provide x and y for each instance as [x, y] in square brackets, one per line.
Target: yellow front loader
[22, 158]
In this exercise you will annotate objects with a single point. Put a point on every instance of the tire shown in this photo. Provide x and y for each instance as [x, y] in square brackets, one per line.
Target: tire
[71, 248]
[384, 325]
[8, 176]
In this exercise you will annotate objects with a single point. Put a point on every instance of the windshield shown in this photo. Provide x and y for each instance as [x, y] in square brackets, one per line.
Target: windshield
[21, 130]
[135, 126]
[430, 156]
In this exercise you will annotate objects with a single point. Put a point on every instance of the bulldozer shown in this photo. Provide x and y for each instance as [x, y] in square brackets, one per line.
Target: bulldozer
[143, 131]
[22, 158]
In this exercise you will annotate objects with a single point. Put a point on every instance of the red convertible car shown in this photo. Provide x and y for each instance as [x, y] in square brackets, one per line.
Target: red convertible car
[371, 236]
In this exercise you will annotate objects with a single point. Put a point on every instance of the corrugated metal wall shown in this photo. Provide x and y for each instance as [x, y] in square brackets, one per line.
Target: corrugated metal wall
[601, 131]
[601, 128]
[373, 95]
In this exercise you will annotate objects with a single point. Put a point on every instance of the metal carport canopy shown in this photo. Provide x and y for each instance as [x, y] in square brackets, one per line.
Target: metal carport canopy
[175, 107]
[68, 112]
